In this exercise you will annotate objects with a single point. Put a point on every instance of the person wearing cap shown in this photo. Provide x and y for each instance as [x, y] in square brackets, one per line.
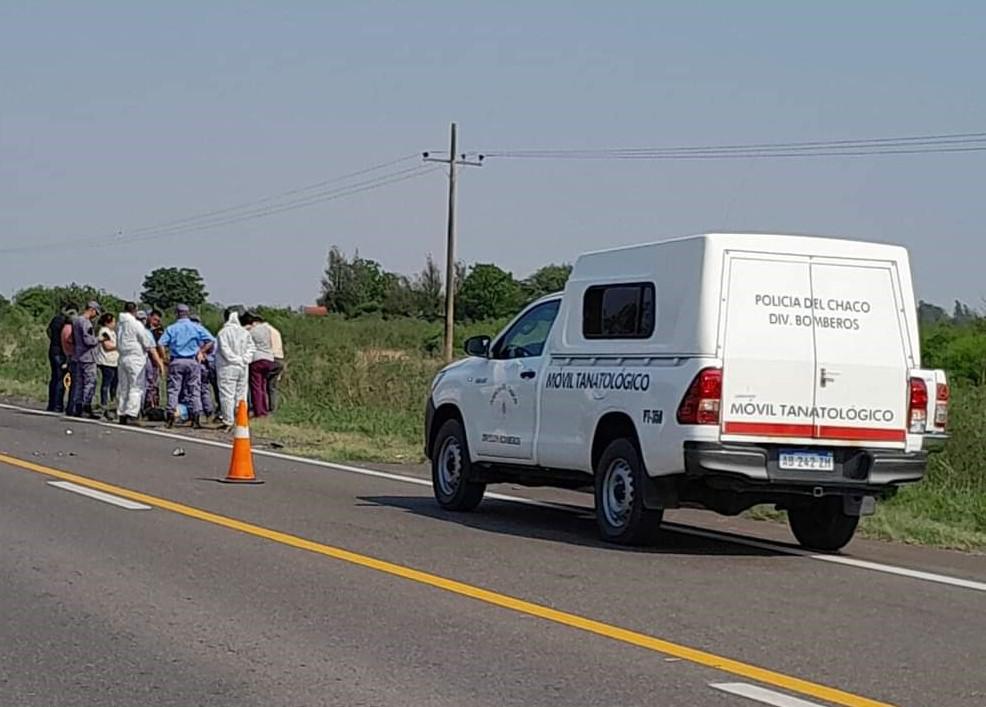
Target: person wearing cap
[187, 344]
[135, 344]
[207, 382]
[84, 354]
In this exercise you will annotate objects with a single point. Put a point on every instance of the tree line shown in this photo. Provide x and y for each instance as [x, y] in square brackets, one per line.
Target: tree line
[163, 289]
[351, 287]
[355, 286]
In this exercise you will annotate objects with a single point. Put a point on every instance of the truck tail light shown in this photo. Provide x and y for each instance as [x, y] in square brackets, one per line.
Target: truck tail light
[700, 406]
[917, 415]
[942, 394]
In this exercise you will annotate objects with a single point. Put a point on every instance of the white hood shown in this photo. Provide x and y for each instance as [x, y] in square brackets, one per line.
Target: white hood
[234, 345]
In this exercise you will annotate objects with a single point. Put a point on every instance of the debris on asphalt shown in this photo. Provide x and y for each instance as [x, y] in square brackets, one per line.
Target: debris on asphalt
[178, 452]
[68, 432]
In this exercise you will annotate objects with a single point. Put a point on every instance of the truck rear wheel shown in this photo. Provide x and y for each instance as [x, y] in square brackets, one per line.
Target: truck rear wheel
[450, 470]
[620, 512]
[822, 524]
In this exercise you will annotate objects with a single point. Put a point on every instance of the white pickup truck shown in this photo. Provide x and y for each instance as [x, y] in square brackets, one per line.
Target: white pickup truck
[716, 371]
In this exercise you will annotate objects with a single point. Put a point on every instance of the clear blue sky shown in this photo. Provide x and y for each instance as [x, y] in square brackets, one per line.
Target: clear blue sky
[119, 115]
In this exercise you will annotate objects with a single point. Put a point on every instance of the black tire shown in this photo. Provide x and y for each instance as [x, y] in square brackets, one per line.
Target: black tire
[451, 470]
[620, 512]
[822, 524]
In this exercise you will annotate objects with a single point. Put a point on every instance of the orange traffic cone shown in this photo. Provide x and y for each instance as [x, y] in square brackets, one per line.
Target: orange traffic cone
[241, 465]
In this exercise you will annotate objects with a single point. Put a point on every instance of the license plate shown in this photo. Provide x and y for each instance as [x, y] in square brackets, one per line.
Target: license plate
[806, 461]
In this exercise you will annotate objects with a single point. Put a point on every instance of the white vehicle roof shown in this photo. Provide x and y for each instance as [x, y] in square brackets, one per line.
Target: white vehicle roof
[687, 274]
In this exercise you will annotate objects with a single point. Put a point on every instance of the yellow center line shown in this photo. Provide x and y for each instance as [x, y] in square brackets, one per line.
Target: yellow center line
[668, 648]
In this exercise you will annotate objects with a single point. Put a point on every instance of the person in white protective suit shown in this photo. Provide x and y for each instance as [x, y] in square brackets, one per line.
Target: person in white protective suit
[234, 352]
[134, 343]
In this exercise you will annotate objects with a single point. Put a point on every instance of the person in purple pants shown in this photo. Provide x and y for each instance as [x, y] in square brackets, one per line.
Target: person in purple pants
[263, 363]
[187, 344]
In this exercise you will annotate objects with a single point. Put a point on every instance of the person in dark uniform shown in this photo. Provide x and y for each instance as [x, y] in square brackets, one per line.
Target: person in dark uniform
[57, 358]
[187, 345]
[84, 374]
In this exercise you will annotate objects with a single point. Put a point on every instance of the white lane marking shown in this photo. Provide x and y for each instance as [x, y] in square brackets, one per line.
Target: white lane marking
[835, 559]
[685, 529]
[100, 496]
[761, 694]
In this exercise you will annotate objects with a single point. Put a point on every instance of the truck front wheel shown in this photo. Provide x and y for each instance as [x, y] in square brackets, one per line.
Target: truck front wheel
[450, 470]
[620, 512]
[822, 524]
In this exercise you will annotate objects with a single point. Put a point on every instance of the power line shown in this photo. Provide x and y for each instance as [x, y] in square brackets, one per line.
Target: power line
[237, 214]
[938, 143]
[280, 195]
[743, 155]
[274, 208]
[339, 194]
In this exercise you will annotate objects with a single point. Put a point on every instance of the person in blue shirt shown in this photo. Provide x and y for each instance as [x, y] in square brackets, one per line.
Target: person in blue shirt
[207, 385]
[187, 343]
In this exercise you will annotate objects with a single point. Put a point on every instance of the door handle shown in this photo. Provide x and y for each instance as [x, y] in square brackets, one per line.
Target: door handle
[824, 378]
[527, 375]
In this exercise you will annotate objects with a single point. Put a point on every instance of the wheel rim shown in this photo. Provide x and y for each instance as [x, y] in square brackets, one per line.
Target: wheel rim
[449, 467]
[618, 493]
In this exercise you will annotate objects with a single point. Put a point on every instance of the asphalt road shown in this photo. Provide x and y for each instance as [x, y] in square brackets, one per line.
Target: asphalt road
[330, 587]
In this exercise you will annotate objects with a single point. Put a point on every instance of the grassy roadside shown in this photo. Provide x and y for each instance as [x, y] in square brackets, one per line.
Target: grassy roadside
[355, 390]
[909, 518]
[317, 443]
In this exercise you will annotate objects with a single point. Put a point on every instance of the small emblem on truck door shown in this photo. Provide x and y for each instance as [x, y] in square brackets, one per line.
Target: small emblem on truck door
[503, 398]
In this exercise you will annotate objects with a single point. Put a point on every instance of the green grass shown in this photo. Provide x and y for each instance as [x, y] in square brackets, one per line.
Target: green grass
[903, 521]
[352, 390]
[320, 443]
[355, 391]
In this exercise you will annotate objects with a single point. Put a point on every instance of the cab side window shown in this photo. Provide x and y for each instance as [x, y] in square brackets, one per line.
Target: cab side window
[623, 311]
[526, 338]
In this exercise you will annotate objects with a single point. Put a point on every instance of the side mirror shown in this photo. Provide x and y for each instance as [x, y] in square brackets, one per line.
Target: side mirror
[478, 346]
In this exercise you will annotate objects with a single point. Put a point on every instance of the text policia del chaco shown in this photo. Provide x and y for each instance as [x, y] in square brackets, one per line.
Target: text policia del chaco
[828, 313]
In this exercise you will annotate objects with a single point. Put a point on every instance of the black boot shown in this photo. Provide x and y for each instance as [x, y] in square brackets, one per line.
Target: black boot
[172, 416]
[124, 420]
[88, 413]
[196, 422]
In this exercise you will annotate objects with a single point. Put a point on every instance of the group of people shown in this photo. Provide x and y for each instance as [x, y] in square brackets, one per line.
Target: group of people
[207, 376]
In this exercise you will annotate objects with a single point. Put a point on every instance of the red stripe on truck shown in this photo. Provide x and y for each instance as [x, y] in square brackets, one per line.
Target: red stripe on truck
[779, 429]
[871, 434]
[769, 429]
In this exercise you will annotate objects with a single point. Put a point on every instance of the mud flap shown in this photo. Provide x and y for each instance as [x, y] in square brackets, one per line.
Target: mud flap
[660, 493]
[858, 505]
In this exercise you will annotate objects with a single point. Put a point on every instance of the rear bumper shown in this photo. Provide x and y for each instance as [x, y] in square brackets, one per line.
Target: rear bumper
[855, 468]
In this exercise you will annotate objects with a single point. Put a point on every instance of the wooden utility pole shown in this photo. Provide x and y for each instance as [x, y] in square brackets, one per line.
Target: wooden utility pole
[453, 161]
